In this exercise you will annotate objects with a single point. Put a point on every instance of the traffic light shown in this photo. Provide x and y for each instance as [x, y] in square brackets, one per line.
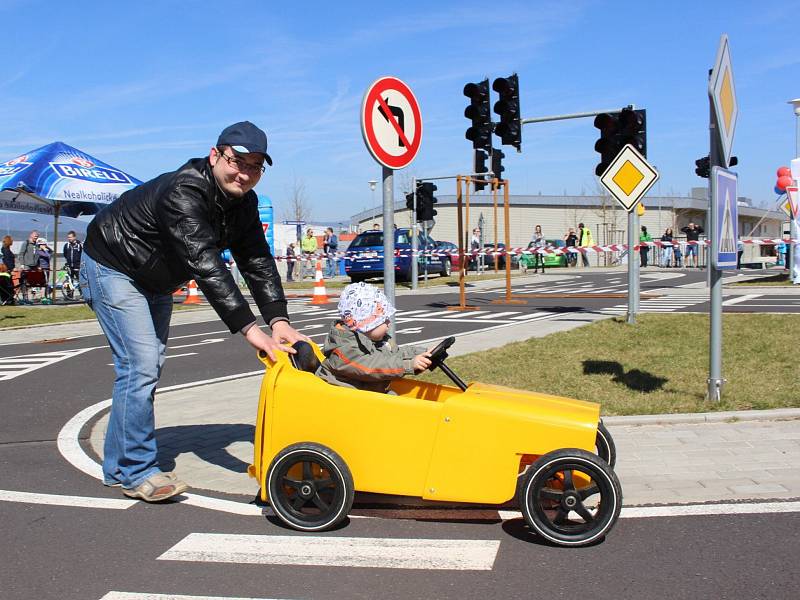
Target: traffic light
[510, 126]
[497, 163]
[479, 166]
[410, 201]
[609, 143]
[480, 133]
[425, 201]
[633, 129]
[703, 167]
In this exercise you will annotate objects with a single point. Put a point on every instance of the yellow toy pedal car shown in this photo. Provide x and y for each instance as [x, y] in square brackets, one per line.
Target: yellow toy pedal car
[316, 444]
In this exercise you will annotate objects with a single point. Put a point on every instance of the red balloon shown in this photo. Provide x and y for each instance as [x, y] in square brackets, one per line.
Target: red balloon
[784, 181]
[784, 172]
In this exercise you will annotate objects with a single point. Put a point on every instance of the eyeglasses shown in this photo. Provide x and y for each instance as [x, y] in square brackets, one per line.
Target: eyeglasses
[242, 166]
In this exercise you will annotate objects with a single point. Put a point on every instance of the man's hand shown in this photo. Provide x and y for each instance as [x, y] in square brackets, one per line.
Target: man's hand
[421, 362]
[261, 341]
[286, 334]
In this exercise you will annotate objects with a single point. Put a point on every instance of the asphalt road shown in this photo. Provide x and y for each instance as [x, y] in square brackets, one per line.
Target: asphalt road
[69, 552]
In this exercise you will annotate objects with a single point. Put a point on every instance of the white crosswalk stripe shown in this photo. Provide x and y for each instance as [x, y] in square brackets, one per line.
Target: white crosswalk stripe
[656, 305]
[147, 596]
[16, 366]
[385, 553]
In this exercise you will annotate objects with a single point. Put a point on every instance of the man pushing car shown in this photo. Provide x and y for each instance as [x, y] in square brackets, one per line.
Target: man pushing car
[149, 242]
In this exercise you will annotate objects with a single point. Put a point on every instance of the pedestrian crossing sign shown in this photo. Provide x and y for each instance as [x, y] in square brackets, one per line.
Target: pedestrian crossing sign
[724, 193]
[628, 177]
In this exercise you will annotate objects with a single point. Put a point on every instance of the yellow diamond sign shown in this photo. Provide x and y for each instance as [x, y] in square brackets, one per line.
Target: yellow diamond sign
[628, 177]
[722, 91]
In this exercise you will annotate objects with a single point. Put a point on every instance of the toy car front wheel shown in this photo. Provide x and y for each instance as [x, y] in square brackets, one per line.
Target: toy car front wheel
[310, 487]
[561, 506]
[604, 445]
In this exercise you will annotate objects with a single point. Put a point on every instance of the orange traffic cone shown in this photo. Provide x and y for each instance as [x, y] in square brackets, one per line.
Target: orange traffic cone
[320, 295]
[192, 297]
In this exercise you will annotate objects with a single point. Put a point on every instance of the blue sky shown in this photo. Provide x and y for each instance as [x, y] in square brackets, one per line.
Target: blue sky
[146, 85]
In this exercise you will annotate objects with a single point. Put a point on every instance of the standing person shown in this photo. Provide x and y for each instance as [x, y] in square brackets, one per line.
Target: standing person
[475, 256]
[739, 252]
[309, 247]
[570, 241]
[6, 286]
[28, 259]
[644, 250]
[539, 243]
[44, 253]
[330, 246]
[692, 232]
[73, 249]
[585, 240]
[666, 251]
[291, 260]
[9, 260]
[144, 245]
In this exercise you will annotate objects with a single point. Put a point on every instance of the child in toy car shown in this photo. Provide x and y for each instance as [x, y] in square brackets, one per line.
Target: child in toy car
[358, 351]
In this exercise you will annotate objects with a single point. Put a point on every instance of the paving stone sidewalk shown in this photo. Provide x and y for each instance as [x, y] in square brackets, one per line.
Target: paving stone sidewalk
[205, 433]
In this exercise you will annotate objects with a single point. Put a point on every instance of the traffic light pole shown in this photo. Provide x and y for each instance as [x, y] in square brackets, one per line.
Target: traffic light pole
[414, 237]
[715, 380]
[388, 239]
[580, 115]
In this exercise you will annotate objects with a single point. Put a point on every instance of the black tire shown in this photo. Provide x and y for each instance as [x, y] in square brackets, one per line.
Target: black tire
[548, 498]
[604, 445]
[356, 278]
[310, 487]
[447, 268]
[67, 291]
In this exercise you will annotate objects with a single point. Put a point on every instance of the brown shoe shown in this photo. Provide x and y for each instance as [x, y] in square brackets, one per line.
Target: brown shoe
[156, 488]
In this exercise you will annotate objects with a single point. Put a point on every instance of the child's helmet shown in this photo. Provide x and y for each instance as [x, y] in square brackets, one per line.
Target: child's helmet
[364, 307]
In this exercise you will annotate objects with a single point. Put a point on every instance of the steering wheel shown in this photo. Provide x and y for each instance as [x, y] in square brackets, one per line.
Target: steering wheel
[439, 353]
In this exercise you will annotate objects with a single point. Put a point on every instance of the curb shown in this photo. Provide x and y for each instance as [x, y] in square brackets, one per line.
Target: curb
[774, 414]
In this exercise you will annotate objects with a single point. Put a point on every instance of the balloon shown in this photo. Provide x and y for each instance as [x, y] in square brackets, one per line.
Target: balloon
[783, 181]
[784, 172]
[777, 191]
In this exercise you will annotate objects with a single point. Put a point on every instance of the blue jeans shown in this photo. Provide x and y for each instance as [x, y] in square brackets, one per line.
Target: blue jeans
[136, 324]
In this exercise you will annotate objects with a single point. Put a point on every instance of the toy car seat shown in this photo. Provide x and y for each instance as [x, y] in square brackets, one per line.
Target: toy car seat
[305, 359]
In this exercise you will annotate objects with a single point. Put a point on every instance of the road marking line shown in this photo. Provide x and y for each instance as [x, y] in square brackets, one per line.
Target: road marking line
[437, 313]
[26, 363]
[531, 317]
[690, 510]
[203, 343]
[62, 500]
[744, 298]
[386, 553]
[499, 315]
[471, 313]
[147, 596]
[177, 355]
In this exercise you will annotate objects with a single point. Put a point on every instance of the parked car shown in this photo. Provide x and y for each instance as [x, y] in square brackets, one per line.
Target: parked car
[452, 252]
[364, 256]
[550, 260]
[488, 259]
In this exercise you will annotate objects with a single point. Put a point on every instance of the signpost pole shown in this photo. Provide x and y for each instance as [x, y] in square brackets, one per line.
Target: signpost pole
[633, 279]
[414, 236]
[715, 380]
[462, 300]
[388, 238]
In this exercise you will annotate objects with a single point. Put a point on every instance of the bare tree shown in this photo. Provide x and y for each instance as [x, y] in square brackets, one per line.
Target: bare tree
[610, 214]
[297, 208]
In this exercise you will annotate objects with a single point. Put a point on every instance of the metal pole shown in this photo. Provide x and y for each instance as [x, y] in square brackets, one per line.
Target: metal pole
[633, 292]
[580, 115]
[414, 236]
[388, 238]
[54, 257]
[494, 200]
[462, 300]
[715, 380]
[467, 229]
[507, 215]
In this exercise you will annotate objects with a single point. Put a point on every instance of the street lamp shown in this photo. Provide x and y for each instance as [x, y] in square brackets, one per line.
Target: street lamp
[796, 104]
[372, 185]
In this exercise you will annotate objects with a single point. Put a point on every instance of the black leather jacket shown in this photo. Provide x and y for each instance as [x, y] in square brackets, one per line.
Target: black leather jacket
[172, 229]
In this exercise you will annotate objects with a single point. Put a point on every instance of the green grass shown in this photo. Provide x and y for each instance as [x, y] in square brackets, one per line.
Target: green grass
[659, 365]
[779, 280]
[25, 316]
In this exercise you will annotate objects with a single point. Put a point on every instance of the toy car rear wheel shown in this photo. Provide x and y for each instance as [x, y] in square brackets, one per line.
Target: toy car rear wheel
[310, 487]
[604, 445]
[564, 509]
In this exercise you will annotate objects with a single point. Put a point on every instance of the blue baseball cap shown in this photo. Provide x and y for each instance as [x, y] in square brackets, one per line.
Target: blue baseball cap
[244, 137]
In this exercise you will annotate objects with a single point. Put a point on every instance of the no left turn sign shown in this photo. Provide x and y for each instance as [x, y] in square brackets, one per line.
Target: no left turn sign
[391, 122]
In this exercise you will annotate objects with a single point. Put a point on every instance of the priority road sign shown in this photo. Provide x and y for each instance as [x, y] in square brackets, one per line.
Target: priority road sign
[793, 200]
[724, 191]
[723, 94]
[391, 122]
[628, 177]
